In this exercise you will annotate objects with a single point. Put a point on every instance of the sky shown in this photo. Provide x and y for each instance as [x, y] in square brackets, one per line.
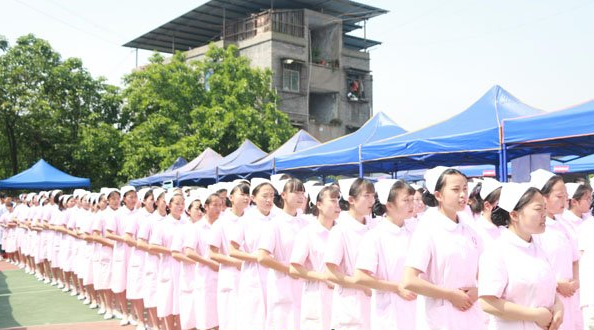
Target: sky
[436, 58]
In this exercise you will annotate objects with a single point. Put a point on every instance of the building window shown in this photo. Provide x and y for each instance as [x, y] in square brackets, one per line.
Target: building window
[355, 88]
[291, 76]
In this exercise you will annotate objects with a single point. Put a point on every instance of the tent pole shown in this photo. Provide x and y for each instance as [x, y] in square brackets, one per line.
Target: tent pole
[360, 163]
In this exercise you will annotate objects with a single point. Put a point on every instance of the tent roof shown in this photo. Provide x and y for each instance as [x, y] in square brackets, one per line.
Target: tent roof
[179, 162]
[206, 159]
[342, 152]
[246, 153]
[42, 175]
[300, 141]
[473, 135]
[205, 23]
[560, 133]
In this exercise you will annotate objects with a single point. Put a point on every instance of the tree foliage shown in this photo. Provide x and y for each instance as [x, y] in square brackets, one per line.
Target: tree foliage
[177, 108]
[47, 105]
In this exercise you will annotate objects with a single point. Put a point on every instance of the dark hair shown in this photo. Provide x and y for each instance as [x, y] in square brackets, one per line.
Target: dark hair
[501, 217]
[395, 190]
[210, 198]
[260, 186]
[582, 190]
[57, 198]
[292, 185]
[148, 193]
[333, 192]
[477, 203]
[358, 187]
[429, 198]
[548, 187]
[190, 206]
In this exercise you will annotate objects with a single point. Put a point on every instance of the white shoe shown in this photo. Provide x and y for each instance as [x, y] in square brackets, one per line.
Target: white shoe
[124, 321]
[47, 281]
[132, 321]
[118, 315]
[40, 278]
[101, 311]
[87, 301]
[93, 306]
[81, 296]
[53, 283]
[27, 269]
[65, 289]
[140, 327]
[73, 293]
[60, 286]
[108, 316]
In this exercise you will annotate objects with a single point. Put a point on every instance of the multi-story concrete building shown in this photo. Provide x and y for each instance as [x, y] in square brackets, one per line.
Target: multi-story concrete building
[321, 73]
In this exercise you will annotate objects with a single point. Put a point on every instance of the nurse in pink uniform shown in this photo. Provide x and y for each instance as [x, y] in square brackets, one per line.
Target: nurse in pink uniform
[169, 268]
[110, 202]
[116, 226]
[442, 265]
[383, 251]
[516, 282]
[283, 299]
[151, 259]
[135, 276]
[586, 248]
[560, 248]
[239, 195]
[307, 259]
[484, 198]
[251, 290]
[187, 278]
[351, 304]
[196, 247]
[89, 250]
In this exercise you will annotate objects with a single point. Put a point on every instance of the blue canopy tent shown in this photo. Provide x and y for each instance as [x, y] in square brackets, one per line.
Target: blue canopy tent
[206, 159]
[179, 162]
[265, 166]
[42, 175]
[246, 153]
[341, 155]
[469, 138]
[560, 133]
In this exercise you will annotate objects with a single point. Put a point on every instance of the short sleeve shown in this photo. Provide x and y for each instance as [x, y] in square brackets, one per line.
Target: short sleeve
[420, 249]
[585, 234]
[335, 247]
[300, 251]
[368, 255]
[96, 225]
[177, 242]
[238, 235]
[144, 229]
[111, 223]
[157, 233]
[71, 220]
[191, 237]
[493, 277]
[132, 225]
[216, 237]
[268, 239]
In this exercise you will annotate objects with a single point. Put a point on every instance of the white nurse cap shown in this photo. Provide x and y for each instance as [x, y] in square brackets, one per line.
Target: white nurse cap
[345, 187]
[194, 196]
[313, 191]
[170, 194]
[489, 185]
[431, 177]
[158, 192]
[382, 188]
[255, 182]
[572, 187]
[142, 193]
[126, 189]
[511, 194]
[540, 177]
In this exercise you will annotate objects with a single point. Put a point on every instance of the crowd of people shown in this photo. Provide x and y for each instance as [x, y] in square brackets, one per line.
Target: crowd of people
[281, 254]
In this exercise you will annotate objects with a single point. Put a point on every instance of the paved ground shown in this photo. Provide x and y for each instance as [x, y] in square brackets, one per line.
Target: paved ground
[26, 303]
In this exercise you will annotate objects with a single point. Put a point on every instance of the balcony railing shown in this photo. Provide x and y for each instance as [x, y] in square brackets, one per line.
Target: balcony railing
[288, 22]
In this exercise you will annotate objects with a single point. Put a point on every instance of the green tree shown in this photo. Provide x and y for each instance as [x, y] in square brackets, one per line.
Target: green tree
[46, 103]
[176, 108]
